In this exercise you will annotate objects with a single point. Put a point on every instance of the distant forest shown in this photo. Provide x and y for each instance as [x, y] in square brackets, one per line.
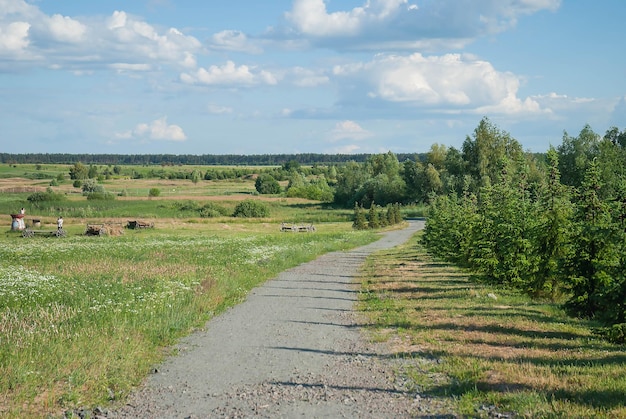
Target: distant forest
[191, 159]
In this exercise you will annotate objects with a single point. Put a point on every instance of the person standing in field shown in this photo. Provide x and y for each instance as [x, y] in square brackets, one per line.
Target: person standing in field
[60, 223]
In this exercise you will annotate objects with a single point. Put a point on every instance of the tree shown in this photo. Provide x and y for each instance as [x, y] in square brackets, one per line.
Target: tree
[266, 184]
[484, 152]
[552, 234]
[250, 208]
[575, 155]
[79, 171]
[596, 249]
[437, 156]
[195, 176]
[412, 176]
[350, 178]
[373, 218]
[360, 220]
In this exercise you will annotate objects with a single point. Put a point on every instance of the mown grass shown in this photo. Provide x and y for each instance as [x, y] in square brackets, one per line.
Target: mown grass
[487, 350]
[82, 319]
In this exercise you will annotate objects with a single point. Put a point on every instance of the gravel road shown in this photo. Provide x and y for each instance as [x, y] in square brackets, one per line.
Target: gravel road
[292, 349]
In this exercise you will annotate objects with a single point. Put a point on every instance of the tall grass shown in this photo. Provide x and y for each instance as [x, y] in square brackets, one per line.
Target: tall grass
[488, 351]
[82, 319]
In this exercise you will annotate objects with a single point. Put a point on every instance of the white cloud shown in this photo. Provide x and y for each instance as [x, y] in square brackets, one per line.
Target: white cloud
[345, 149]
[157, 130]
[138, 38]
[118, 38]
[231, 40]
[451, 80]
[66, 29]
[121, 67]
[230, 74]
[348, 130]
[304, 77]
[219, 110]
[14, 37]
[400, 24]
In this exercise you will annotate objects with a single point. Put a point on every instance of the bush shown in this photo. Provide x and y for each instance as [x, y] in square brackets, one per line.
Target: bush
[101, 196]
[210, 210]
[251, 209]
[48, 196]
[154, 192]
[77, 183]
[91, 186]
[266, 184]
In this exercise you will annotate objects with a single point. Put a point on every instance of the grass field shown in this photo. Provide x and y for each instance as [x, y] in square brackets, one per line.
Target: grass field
[82, 319]
[491, 351]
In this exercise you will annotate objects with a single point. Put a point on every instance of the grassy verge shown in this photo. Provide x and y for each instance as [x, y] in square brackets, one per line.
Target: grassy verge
[488, 350]
[82, 319]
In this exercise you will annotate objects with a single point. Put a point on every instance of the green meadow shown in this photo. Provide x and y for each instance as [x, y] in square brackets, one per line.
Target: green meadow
[84, 318]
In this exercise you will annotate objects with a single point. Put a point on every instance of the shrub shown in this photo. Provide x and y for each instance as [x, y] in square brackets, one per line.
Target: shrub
[266, 184]
[210, 210]
[77, 183]
[154, 192]
[48, 196]
[251, 209]
[90, 186]
[101, 196]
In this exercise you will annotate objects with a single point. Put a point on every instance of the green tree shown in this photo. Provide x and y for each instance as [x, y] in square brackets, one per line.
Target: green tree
[575, 155]
[250, 208]
[78, 171]
[360, 220]
[552, 234]
[413, 179]
[484, 152]
[350, 178]
[596, 249]
[266, 184]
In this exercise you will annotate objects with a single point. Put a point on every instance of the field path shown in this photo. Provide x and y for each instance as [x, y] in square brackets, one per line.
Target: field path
[292, 349]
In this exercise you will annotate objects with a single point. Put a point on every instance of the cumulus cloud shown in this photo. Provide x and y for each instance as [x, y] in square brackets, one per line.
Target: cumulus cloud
[14, 37]
[231, 40]
[94, 42]
[157, 130]
[66, 29]
[404, 24]
[348, 130]
[229, 74]
[451, 80]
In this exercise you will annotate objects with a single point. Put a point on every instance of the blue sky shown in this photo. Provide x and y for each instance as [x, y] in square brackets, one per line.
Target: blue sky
[304, 76]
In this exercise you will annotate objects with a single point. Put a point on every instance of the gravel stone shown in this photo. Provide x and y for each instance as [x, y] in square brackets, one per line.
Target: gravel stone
[292, 349]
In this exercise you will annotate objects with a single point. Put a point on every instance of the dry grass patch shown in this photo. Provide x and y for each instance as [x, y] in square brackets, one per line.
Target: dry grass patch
[500, 353]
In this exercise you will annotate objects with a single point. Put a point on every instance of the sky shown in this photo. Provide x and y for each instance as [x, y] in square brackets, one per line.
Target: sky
[304, 76]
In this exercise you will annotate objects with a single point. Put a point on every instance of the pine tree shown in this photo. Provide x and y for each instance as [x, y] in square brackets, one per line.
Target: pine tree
[551, 236]
[360, 221]
[595, 249]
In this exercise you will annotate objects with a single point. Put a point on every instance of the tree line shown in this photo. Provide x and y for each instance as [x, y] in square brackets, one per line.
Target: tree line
[552, 225]
[184, 159]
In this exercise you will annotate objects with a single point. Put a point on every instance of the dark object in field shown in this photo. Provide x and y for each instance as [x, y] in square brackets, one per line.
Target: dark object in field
[105, 229]
[297, 228]
[139, 224]
[46, 233]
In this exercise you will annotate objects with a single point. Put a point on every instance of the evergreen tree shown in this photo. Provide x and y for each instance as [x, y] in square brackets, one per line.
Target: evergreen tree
[596, 249]
[552, 233]
[373, 219]
[360, 221]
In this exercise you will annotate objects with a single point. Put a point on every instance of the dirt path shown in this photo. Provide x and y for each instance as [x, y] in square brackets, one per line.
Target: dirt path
[292, 349]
